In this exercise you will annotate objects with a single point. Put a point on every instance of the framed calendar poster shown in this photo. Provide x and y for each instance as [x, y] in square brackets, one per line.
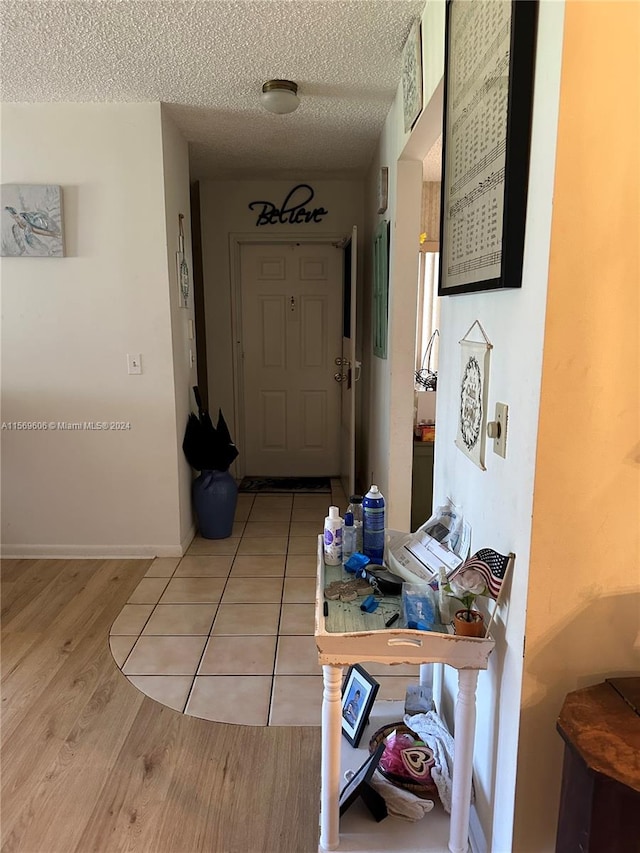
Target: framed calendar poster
[488, 96]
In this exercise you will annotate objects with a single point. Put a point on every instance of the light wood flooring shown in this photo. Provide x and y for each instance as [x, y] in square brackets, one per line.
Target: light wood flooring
[91, 765]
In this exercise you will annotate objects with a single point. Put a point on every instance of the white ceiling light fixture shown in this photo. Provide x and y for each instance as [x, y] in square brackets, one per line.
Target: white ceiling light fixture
[280, 96]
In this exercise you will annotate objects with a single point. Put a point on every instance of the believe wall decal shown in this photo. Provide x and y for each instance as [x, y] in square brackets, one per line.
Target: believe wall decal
[292, 211]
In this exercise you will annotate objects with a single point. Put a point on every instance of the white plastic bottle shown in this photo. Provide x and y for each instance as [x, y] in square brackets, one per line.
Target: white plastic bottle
[355, 507]
[333, 538]
[373, 524]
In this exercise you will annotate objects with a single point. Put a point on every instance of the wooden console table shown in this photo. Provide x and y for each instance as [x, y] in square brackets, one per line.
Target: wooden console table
[347, 636]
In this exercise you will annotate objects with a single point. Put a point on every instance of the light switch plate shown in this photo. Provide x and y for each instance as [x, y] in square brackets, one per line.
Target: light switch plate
[134, 362]
[501, 418]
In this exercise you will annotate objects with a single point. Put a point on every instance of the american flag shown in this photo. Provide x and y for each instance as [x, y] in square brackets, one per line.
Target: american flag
[491, 565]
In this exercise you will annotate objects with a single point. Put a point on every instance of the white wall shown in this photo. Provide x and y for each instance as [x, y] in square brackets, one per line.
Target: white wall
[583, 605]
[67, 325]
[175, 154]
[400, 365]
[498, 502]
[225, 212]
[376, 386]
[389, 395]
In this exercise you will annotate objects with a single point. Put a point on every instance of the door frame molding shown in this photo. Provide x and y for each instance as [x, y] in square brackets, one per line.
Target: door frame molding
[237, 240]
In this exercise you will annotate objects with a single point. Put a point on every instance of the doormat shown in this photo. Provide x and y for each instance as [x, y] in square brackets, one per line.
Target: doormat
[309, 485]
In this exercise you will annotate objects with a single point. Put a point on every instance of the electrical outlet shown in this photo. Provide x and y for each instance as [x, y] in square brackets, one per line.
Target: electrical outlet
[500, 440]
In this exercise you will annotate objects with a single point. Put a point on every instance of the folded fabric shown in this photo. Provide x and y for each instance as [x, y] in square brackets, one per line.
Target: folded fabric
[436, 735]
[400, 803]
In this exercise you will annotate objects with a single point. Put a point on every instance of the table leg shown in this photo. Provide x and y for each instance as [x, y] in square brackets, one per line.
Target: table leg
[330, 770]
[465, 725]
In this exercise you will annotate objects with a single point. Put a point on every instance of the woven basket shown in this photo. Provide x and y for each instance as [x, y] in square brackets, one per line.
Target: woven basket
[426, 789]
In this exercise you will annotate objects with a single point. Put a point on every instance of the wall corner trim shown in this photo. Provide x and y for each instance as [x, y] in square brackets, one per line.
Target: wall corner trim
[476, 833]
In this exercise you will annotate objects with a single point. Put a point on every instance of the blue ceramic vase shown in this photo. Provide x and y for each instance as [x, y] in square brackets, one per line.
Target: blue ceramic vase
[215, 494]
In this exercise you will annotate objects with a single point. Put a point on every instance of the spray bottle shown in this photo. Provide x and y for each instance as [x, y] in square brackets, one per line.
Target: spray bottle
[373, 524]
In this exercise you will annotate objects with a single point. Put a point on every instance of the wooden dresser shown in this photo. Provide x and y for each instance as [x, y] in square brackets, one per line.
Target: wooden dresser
[600, 799]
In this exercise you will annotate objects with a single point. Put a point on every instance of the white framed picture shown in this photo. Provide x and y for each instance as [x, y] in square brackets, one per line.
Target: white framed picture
[412, 76]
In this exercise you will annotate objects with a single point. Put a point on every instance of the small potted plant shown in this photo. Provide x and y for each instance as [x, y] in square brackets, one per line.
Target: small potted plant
[465, 587]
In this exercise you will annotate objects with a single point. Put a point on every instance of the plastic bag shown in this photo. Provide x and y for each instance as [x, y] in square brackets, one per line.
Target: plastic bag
[448, 527]
[419, 604]
[443, 540]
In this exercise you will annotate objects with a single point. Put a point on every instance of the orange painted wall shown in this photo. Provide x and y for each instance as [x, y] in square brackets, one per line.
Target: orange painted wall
[583, 613]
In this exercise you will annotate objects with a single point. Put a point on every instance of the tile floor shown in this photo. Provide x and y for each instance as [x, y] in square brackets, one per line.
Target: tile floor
[226, 632]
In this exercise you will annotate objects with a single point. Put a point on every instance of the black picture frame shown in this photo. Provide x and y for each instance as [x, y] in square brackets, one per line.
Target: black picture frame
[359, 786]
[488, 98]
[358, 695]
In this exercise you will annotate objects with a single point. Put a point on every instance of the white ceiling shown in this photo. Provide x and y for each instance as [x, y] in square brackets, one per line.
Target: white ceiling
[207, 60]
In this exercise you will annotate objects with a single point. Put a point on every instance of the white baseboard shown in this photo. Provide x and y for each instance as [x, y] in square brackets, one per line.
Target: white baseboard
[185, 542]
[101, 552]
[79, 552]
[476, 833]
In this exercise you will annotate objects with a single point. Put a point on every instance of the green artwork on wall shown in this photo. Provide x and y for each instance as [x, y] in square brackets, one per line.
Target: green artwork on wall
[381, 289]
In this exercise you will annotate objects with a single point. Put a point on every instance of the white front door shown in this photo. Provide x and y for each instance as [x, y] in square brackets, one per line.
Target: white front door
[291, 312]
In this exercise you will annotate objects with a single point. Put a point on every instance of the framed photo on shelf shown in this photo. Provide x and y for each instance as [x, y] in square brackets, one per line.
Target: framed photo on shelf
[488, 97]
[358, 786]
[358, 695]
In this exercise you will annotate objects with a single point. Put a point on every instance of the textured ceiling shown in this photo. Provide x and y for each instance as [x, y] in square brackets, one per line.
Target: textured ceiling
[207, 61]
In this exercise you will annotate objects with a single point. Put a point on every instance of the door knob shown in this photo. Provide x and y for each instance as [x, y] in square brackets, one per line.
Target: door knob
[339, 377]
[342, 362]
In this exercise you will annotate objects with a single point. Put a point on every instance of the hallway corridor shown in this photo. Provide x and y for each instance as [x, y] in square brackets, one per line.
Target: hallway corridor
[226, 633]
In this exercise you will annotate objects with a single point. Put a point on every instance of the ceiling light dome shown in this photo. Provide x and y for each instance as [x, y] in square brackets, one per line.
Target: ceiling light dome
[280, 96]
